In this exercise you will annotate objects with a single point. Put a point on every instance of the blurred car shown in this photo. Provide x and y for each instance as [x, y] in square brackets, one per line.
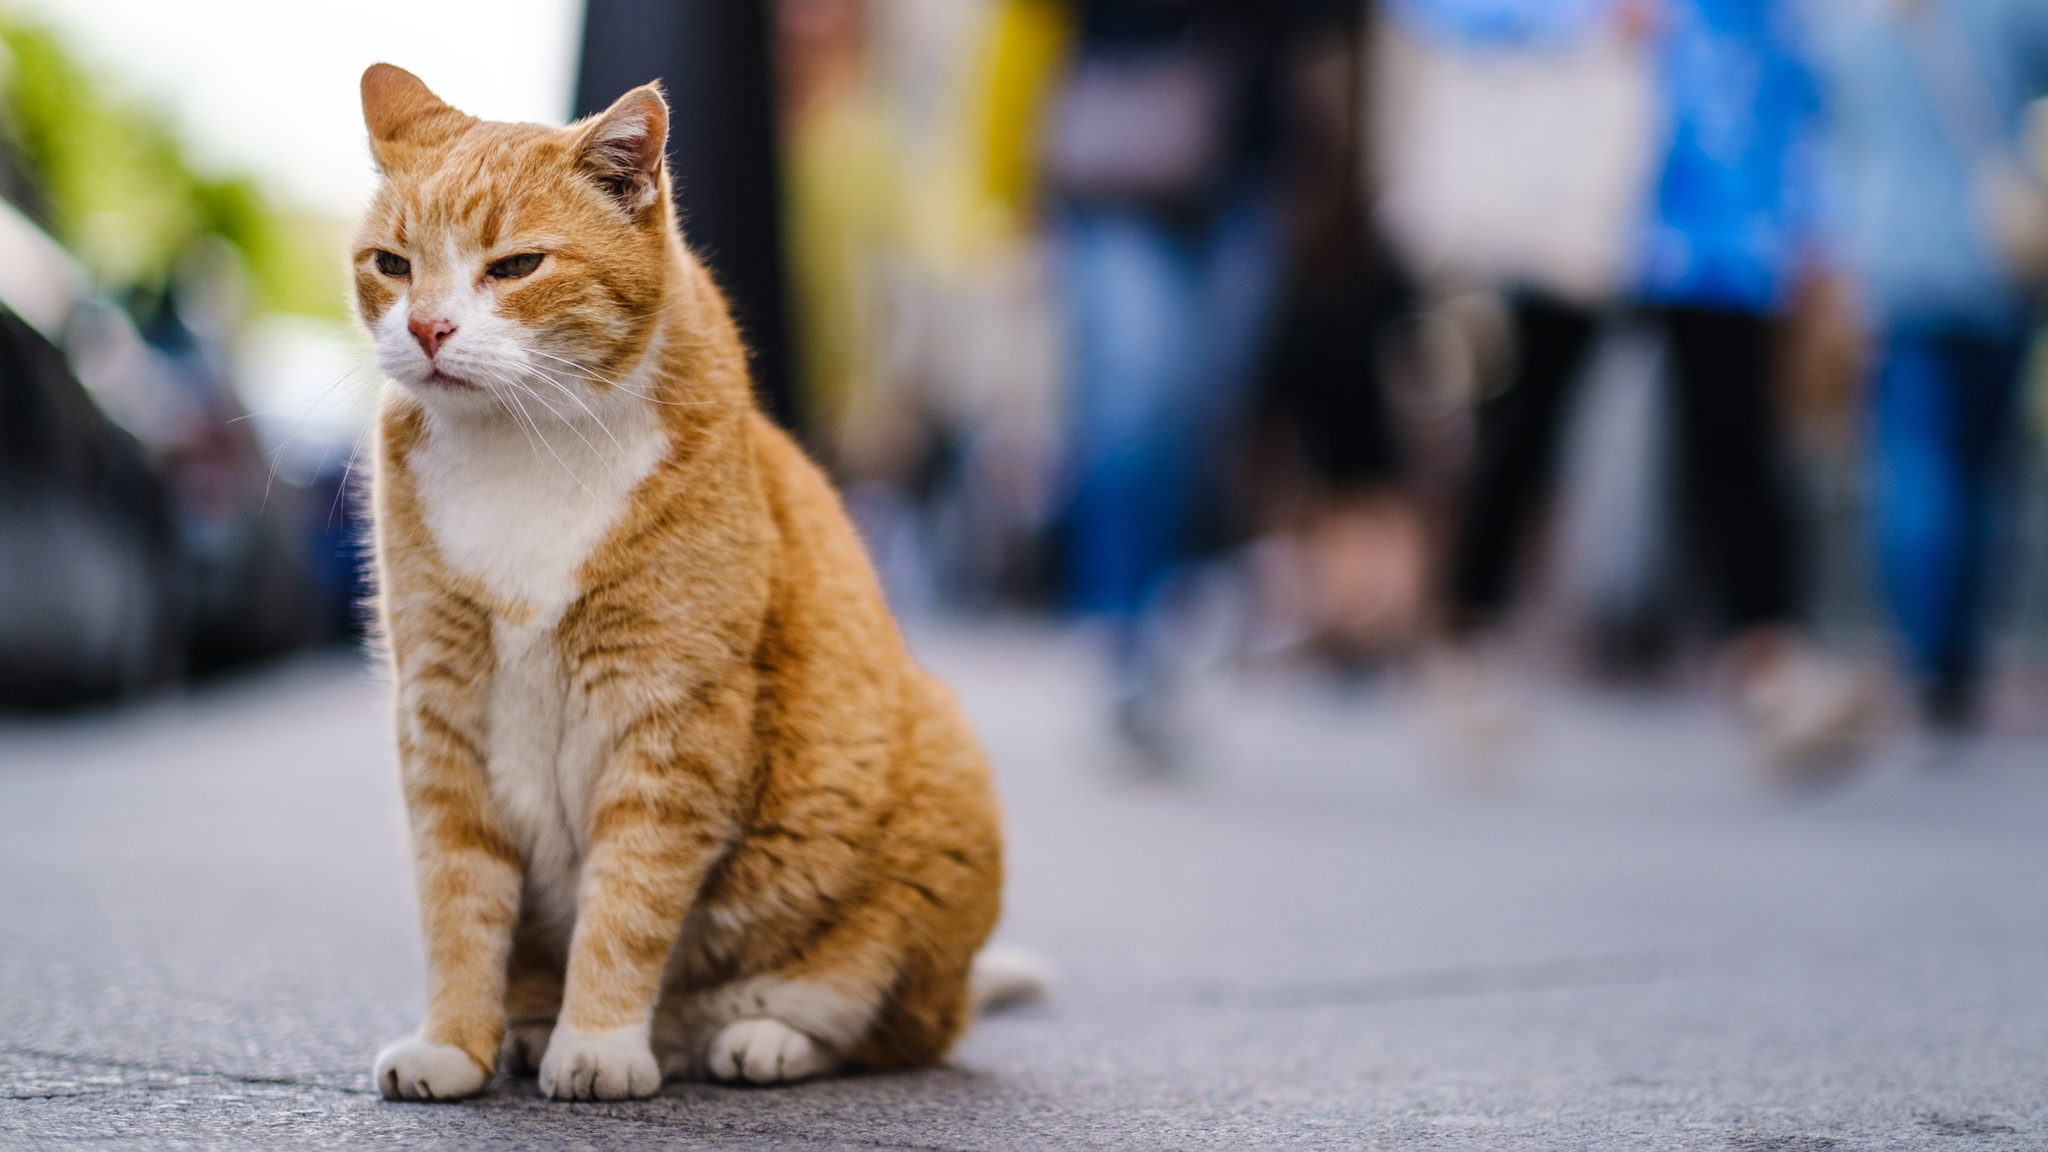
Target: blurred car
[143, 535]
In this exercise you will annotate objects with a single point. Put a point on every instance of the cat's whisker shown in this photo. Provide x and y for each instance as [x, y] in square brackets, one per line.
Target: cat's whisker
[631, 391]
[626, 388]
[537, 437]
[669, 403]
[306, 412]
[603, 379]
[347, 470]
[594, 375]
[584, 371]
[651, 398]
[567, 391]
[313, 404]
[504, 401]
[561, 419]
[538, 432]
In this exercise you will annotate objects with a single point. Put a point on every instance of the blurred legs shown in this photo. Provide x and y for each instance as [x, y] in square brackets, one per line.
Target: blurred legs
[1943, 410]
[1164, 325]
[1516, 455]
[1735, 490]
[1814, 716]
[1135, 298]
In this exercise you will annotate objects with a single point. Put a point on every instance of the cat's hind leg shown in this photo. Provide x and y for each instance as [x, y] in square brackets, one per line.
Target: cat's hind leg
[886, 984]
[764, 1050]
[776, 1028]
[884, 987]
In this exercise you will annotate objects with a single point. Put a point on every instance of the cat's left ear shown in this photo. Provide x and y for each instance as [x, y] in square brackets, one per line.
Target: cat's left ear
[622, 148]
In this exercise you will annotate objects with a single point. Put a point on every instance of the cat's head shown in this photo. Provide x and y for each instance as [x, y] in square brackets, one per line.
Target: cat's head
[504, 264]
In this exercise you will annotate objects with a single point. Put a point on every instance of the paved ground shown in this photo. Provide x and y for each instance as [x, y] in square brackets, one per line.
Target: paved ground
[1333, 933]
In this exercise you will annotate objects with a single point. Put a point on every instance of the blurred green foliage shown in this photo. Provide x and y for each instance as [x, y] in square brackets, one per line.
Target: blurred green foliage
[110, 181]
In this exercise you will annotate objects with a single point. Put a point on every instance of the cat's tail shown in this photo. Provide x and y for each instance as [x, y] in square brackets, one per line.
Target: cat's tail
[1005, 976]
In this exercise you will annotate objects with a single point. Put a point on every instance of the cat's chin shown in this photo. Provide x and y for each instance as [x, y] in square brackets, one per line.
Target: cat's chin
[425, 379]
[440, 379]
[450, 394]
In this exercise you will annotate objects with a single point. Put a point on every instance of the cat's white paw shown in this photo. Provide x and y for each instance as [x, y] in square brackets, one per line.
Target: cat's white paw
[526, 1045]
[599, 1065]
[416, 1069]
[766, 1051]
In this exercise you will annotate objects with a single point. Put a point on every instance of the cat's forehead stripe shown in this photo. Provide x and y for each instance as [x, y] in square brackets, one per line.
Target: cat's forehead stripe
[479, 205]
[483, 185]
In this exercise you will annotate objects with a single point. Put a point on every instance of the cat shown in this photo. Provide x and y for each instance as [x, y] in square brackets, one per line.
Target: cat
[681, 804]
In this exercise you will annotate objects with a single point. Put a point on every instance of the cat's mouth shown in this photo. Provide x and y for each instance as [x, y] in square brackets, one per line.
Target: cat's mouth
[437, 376]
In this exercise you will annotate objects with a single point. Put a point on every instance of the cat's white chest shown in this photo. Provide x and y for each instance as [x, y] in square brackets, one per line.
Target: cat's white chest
[521, 515]
[546, 750]
[520, 509]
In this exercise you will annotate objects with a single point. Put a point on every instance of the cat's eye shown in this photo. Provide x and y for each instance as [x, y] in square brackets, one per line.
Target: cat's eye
[392, 264]
[513, 267]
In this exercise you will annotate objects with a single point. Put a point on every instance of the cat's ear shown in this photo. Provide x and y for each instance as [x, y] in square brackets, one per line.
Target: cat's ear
[622, 148]
[404, 118]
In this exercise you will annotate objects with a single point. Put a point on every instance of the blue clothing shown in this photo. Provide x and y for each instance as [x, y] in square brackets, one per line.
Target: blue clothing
[1164, 327]
[1503, 23]
[1732, 207]
[1942, 419]
[1906, 92]
[1905, 221]
[1732, 211]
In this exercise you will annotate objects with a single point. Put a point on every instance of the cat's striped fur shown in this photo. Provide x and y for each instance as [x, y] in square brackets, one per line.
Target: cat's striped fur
[681, 803]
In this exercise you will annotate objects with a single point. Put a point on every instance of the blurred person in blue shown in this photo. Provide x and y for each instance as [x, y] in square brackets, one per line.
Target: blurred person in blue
[1727, 227]
[1157, 158]
[1925, 99]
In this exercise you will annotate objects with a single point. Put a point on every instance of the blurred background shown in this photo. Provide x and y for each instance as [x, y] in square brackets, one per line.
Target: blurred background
[1499, 550]
[1679, 345]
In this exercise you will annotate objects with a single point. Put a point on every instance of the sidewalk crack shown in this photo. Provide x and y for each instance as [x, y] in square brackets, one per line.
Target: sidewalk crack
[309, 1082]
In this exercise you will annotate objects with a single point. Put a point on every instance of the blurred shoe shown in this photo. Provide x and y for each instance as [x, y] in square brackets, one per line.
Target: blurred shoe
[1474, 708]
[1950, 705]
[1190, 637]
[1818, 718]
[1348, 585]
[1150, 729]
[1140, 719]
[1366, 574]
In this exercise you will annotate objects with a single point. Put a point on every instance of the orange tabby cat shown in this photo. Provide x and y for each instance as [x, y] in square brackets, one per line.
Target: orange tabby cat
[681, 804]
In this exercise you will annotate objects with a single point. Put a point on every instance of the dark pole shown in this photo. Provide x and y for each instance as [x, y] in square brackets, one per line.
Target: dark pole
[713, 58]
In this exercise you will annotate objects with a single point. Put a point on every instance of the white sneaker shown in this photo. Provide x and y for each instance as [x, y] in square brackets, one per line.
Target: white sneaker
[1474, 708]
[1817, 718]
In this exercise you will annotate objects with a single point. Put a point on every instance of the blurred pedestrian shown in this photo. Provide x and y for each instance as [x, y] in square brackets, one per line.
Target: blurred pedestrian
[1944, 223]
[1343, 570]
[1158, 155]
[1727, 227]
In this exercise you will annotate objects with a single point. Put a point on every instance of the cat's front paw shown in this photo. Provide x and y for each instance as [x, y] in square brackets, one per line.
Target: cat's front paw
[766, 1051]
[417, 1069]
[599, 1065]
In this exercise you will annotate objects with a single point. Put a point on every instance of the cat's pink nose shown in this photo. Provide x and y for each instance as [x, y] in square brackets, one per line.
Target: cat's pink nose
[431, 334]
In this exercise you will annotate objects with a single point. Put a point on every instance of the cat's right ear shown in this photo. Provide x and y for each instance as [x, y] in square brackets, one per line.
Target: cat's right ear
[404, 117]
[622, 147]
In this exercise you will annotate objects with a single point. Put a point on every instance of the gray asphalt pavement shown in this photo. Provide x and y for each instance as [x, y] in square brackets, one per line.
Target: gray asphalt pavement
[1334, 931]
